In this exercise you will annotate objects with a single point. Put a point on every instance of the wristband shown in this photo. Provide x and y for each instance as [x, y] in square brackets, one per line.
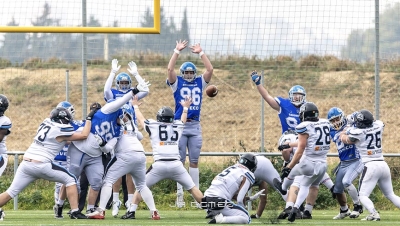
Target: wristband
[177, 51]
[136, 106]
[185, 108]
[201, 54]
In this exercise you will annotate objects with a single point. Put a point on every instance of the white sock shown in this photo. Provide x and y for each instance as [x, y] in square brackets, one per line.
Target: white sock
[147, 197]
[194, 173]
[352, 190]
[133, 207]
[309, 208]
[130, 197]
[327, 181]
[89, 207]
[115, 196]
[179, 189]
[289, 204]
[60, 202]
[105, 195]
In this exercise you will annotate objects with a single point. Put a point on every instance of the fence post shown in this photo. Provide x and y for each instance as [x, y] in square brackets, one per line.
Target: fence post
[16, 161]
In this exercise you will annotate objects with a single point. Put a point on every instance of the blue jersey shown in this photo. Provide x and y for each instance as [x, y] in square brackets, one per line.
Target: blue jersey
[346, 151]
[62, 155]
[105, 125]
[288, 115]
[194, 89]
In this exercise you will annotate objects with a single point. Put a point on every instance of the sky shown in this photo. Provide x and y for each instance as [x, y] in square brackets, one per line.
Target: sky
[248, 27]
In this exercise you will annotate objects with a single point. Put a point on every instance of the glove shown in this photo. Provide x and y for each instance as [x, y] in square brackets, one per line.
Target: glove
[91, 114]
[141, 87]
[351, 118]
[95, 105]
[258, 194]
[132, 68]
[100, 140]
[285, 172]
[285, 163]
[256, 78]
[283, 146]
[114, 66]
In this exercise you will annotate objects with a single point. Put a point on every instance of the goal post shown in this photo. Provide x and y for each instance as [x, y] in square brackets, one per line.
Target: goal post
[156, 29]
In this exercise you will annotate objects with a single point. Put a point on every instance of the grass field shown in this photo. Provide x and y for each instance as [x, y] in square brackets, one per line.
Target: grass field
[187, 217]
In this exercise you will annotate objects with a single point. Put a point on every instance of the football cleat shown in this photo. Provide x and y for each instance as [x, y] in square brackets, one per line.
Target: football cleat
[358, 209]
[285, 213]
[155, 215]
[293, 214]
[58, 211]
[129, 215]
[372, 217]
[217, 219]
[342, 214]
[306, 215]
[97, 214]
[115, 208]
[2, 214]
[77, 215]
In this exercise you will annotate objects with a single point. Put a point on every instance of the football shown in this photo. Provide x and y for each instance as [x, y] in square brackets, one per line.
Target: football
[211, 91]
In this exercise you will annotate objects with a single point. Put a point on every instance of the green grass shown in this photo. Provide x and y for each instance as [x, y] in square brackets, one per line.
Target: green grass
[186, 217]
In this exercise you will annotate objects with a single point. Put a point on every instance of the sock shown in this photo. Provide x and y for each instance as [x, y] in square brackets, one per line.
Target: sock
[115, 196]
[147, 197]
[327, 181]
[309, 208]
[105, 195]
[343, 208]
[352, 190]
[89, 207]
[289, 204]
[179, 189]
[194, 173]
[133, 207]
[130, 197]
[74, 210]
[61, 202]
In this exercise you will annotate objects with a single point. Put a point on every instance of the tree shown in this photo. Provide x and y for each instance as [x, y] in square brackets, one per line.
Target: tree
[14, 45]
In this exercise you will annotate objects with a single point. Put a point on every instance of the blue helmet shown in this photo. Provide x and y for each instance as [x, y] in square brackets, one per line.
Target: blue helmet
[123, 77]
[128, 112]
[190, 69]
[337, 118]
[297, 90]
[67, 105]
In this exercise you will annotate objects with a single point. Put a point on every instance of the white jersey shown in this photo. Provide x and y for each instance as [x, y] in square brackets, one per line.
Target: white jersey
[318, 142]
[45, 146]
[5, 123]
[129, 141]
[226, 184]
[164, 138]
[369, 142]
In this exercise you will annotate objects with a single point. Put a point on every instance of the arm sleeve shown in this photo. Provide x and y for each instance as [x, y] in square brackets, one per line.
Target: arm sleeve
[242, 193]
[107, 87]
[117, 104]
[109, 146]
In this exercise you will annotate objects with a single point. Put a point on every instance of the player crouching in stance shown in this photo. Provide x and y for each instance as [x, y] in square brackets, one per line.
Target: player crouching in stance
[234, 180]
[164, 136]
[52, 134]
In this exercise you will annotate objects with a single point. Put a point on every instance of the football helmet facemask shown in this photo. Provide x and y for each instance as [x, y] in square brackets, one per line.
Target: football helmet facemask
[188, 71]
[309, 112]
[297, 95]
[3, 104]
[123, 82]
[165, 114]
[60, 115]
[364, 119]
[337, 118]
[249, 160]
